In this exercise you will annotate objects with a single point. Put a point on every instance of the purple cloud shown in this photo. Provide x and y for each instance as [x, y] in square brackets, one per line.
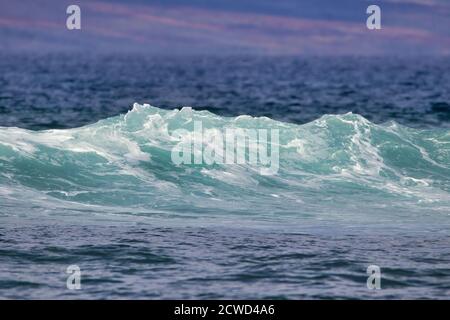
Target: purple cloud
[182, 29]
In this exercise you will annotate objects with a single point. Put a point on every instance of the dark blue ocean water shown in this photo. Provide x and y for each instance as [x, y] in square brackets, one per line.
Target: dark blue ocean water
[364, 178]
[64, 91]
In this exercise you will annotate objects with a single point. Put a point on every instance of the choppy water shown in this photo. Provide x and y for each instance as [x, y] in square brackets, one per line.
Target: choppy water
[349, 192]
[57, 91]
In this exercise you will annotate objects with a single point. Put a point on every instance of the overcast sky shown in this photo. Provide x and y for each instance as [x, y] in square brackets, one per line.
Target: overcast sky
[268, 27]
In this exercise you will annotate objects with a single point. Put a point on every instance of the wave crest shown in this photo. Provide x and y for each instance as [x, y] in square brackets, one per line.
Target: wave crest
[125, 161]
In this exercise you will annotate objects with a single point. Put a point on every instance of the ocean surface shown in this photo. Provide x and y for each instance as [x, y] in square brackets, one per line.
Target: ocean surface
[87, 179]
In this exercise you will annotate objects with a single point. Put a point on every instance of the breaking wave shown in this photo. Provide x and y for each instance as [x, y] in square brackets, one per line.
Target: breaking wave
[338, 164]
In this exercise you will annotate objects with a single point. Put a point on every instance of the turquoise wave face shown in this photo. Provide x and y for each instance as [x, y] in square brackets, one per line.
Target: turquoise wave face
[338, 166]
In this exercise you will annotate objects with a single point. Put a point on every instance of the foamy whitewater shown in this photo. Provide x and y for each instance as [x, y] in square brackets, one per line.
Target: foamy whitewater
[101, 195]
[340, 165]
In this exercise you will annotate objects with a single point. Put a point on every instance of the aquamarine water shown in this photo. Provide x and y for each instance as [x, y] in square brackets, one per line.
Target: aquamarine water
[333, 162]
[107, 197]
